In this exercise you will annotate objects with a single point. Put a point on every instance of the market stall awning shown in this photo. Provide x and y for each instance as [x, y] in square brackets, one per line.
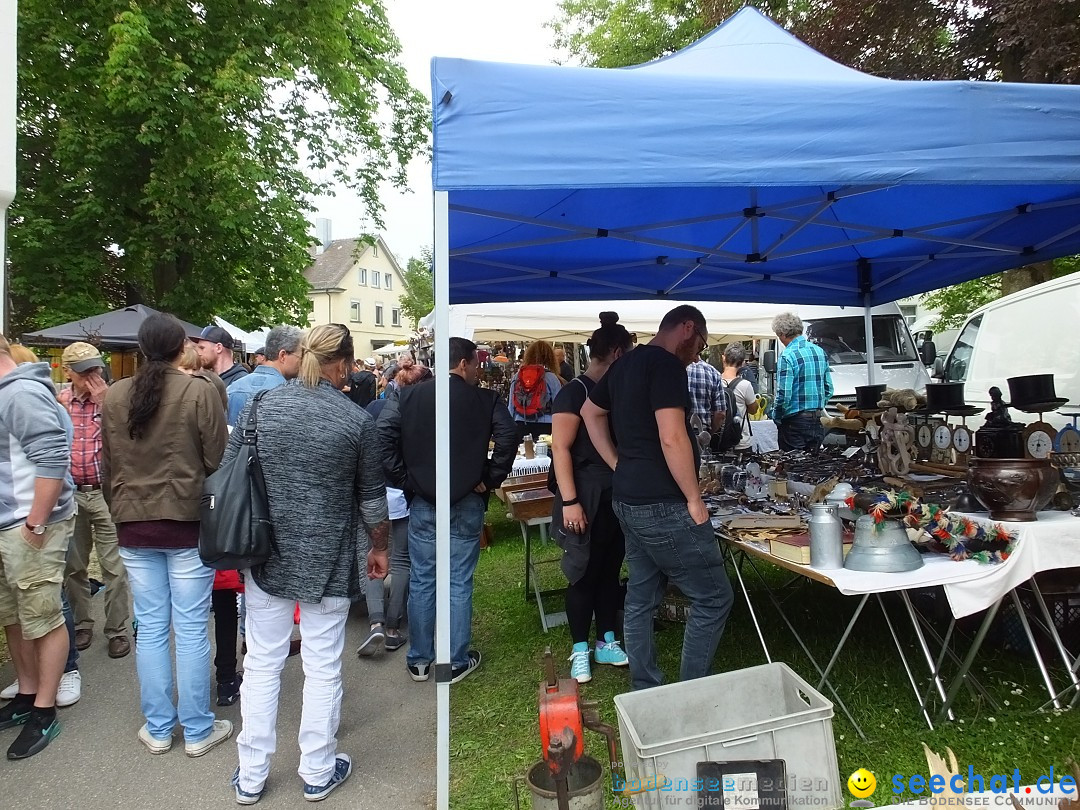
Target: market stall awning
[746, 167]
[111, 331]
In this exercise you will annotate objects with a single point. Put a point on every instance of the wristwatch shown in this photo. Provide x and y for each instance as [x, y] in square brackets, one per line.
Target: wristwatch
[38, 530]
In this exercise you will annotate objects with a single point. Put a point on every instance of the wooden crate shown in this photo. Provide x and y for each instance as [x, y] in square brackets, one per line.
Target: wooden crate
[521, 482]
[526, 504]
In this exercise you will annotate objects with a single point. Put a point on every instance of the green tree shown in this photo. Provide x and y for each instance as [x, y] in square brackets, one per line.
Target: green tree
[168, 152]
[418, 283]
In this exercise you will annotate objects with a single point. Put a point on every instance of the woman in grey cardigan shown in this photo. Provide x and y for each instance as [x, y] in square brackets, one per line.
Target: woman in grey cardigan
[324, 482]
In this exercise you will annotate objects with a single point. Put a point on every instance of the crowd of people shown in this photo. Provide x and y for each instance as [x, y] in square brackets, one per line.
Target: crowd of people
[120, 469]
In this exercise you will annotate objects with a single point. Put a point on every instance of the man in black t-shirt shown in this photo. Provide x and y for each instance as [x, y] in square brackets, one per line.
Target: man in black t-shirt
[644, 403]
[362, 383]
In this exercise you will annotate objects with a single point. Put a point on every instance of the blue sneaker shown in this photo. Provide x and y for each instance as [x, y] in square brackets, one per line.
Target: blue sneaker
[342, 769]
[609, 651]
[242, 796]
[580, 670]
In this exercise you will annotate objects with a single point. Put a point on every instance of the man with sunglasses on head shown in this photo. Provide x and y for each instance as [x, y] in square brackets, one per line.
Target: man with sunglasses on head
[638, 418]
[707, 400]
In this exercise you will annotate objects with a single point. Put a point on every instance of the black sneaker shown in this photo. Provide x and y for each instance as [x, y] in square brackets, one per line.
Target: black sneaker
[394, 642]
[38, 732]
[460, 673]
[228, 692]
[15, 713]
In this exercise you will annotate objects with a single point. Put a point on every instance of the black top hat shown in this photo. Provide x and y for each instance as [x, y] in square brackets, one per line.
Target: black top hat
[868, 396]
[1034, 393]
[946, 396]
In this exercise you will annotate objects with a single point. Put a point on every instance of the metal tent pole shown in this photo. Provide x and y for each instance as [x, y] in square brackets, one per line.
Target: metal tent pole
[442, 499]
[868, 326]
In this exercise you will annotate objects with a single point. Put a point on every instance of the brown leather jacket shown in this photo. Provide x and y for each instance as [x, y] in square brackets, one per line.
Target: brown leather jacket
[160, 476]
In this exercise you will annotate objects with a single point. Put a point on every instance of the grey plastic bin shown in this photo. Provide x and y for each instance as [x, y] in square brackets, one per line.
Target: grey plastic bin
[764, 712]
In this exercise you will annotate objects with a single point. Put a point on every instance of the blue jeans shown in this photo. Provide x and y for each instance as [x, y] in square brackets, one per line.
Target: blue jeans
[171, 589]
[399, 580]
[466, 521]
[662, 545]
[801, 431]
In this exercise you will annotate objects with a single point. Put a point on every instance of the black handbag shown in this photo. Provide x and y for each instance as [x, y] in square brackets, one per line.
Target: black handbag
[235, 530]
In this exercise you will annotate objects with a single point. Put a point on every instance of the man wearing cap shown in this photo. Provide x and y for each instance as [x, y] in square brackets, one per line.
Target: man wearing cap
[83, 366]
[215, 347]
[259, 357]
[362, 383]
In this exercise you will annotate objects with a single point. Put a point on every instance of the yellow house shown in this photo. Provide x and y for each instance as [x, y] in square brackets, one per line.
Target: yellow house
[359, 289]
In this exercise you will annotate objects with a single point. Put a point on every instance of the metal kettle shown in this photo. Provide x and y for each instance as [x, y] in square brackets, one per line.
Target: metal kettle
[882, 548]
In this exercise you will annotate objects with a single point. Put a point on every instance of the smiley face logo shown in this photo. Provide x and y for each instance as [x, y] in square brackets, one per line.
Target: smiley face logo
[861, 784]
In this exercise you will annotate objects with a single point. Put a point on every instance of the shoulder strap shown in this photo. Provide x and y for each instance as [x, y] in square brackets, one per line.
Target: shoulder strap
[251, 429]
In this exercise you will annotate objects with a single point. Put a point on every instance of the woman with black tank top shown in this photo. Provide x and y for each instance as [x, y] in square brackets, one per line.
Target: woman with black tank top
[589, 533]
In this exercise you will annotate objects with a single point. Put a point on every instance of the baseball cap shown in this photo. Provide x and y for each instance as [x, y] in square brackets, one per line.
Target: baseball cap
[261, 350]
[81, 357]
[215, 334]
[370, 362]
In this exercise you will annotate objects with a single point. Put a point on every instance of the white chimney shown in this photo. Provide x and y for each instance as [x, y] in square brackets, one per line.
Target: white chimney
[322, 233]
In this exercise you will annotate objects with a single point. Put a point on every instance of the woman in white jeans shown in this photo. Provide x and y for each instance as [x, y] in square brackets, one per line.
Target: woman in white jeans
[324, 481]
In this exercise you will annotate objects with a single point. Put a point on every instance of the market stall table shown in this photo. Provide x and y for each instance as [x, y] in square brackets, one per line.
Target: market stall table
[532, 507]
[1053, 542]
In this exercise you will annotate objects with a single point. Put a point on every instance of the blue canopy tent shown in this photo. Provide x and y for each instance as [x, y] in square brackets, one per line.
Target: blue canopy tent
[746, 167]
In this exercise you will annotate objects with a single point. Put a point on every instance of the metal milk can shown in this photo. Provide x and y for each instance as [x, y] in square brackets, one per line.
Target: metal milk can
[826, 541]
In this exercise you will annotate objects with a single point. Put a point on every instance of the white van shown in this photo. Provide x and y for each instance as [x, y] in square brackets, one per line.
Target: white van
[841, 333]
[1028, 332]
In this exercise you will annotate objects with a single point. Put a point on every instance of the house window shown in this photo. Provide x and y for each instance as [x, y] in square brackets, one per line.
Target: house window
[375, 251]
[388, 281]
[375, 279]
[379, 315]
[354, 311]
[395, 317]
[362, 277]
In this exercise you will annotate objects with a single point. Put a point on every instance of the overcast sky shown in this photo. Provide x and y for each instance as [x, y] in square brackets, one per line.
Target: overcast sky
[494, 30]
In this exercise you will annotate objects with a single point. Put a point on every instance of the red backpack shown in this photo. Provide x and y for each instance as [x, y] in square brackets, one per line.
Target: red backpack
[530, 392]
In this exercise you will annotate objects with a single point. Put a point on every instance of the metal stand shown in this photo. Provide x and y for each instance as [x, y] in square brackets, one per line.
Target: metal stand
[532, 577]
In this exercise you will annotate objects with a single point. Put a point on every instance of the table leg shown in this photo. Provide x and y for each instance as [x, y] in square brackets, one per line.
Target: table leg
[935, 670]
[750, 605]
[974, 685]
[903, 660]
[528, 555]
[1022, 615]
[843, 640]
[969, 659]
[1051, 629]
[805, 649]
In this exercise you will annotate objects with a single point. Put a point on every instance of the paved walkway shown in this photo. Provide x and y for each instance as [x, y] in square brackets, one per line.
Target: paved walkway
[387, 726]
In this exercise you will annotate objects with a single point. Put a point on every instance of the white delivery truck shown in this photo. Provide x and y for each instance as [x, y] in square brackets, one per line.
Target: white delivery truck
[1028, 332]
[841, 333]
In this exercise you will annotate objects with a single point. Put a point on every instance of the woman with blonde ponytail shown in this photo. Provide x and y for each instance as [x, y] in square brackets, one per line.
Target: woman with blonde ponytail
[324, 482]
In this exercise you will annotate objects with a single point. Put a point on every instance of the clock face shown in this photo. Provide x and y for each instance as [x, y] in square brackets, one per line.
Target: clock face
[961, 440]
[942, 437]
[1039, 444]
[1068, 440]
[925, 436]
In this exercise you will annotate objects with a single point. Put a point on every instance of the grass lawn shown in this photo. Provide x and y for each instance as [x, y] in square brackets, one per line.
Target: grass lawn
[494, 733]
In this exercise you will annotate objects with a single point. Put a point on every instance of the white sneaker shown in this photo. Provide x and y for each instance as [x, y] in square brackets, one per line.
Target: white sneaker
[70, 689]
[221, 732]
[10, 691]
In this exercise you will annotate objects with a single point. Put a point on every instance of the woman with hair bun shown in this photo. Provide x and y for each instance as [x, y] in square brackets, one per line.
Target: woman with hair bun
[590, 534]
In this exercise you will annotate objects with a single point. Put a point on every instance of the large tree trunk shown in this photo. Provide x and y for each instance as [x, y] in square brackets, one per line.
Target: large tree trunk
[1023, 277]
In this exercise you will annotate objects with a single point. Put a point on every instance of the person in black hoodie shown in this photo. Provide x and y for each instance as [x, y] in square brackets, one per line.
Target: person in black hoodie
[406, 430]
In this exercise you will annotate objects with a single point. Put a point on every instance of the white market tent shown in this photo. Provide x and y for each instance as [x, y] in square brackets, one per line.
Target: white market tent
[575, 321]
[746, 167]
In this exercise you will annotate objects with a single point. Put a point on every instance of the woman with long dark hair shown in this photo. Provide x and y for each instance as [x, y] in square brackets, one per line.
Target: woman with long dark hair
[163, 432]
[320, 457]
[590, 535]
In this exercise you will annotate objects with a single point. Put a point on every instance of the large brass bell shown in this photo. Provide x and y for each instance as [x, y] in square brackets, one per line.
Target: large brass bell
[883, 548]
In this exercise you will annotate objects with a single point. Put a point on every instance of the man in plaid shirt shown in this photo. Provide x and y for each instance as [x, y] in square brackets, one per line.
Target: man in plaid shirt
[82, 365]
[803, 386]
[707, 398]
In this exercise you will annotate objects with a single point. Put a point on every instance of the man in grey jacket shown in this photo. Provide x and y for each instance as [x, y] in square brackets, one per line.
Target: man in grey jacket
[37, 518]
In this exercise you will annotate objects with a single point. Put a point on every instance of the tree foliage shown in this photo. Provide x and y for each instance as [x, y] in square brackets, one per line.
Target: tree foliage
[168, 152]
[418, 286]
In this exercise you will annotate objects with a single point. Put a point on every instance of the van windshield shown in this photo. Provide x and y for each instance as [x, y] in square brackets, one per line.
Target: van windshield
[844, 339]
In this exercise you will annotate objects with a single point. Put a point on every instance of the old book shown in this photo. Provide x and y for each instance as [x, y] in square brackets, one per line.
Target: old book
[796, 547]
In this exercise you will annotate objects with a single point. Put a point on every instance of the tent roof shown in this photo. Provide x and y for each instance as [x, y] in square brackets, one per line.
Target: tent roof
[111, 331]
[746, 167]
[576, 320]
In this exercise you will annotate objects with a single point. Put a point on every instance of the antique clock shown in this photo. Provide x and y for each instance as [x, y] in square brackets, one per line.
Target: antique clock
[941, 452]
[961, 444]
[1039, 440]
